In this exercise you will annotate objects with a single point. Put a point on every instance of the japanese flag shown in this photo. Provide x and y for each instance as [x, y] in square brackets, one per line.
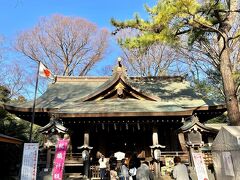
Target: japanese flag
[44, 71]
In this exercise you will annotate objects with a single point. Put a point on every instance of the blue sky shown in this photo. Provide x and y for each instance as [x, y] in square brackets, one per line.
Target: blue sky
[16, 15]
[19, 15]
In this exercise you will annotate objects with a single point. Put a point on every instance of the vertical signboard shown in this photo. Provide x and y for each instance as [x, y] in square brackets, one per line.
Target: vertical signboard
[59, 159]
[29, 161]
[200, 166]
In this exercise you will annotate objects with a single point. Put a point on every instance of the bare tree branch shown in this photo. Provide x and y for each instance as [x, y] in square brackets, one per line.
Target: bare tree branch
[67, 45]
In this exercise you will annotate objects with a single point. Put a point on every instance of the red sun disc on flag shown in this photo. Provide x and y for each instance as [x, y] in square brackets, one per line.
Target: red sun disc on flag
[47, 72]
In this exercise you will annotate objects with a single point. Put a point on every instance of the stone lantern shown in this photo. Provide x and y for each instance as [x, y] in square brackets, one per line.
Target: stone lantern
[52, 132]
[193, 131]
[86, 149]
[156, 153]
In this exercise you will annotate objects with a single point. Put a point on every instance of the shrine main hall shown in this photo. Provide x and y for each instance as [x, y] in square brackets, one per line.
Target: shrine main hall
[122, 113]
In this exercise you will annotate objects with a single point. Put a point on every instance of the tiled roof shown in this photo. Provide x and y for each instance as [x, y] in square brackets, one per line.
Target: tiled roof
[194, 124]
[68, 95]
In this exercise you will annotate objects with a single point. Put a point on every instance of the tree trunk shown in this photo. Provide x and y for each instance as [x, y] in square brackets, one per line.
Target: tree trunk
[229, 85]
[229, 88]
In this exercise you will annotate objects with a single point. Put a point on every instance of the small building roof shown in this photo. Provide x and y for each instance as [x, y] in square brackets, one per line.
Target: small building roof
[53, 125]
[194, 124]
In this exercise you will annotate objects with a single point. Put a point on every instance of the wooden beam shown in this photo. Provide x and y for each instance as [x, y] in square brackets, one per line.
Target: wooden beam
[8, 139]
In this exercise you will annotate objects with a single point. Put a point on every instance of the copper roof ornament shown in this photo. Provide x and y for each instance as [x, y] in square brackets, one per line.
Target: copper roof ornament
[120, 70]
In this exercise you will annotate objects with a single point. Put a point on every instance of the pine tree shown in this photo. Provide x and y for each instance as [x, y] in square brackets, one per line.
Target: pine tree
[170, 20]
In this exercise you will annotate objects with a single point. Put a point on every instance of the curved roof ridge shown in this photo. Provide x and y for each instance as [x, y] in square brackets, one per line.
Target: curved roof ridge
[156, 78]
[60, 79]
[104, 78]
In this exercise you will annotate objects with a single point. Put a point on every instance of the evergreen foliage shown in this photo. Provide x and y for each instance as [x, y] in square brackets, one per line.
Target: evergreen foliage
[10, 125]
[170, 21]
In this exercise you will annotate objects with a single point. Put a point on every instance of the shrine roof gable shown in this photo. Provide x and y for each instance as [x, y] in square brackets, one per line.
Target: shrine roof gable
[171, 90]
[118, 94]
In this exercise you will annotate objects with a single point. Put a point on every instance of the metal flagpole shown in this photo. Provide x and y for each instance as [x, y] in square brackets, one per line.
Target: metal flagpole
[34, 103]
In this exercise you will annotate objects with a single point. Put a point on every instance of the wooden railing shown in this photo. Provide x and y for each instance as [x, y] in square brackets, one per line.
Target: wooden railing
[95, 172]
[183, 155]
[73, 159]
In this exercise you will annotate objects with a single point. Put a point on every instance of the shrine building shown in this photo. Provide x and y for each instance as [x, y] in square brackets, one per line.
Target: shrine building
[122, 113]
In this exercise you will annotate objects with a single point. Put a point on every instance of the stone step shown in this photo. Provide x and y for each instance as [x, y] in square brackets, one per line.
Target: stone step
[72, 176]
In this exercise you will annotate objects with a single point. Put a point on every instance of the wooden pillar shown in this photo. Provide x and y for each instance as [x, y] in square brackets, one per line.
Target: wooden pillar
[155, 136]
[49, 157]
[191, 150]
[86, 139]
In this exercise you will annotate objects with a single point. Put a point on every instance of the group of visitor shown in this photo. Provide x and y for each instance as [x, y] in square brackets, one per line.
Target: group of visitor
[133, 170]
[136, 170]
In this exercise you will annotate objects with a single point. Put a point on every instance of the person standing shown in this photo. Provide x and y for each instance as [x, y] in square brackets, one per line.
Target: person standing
[112, 162]
[124, 174]
[134, 163]
[113, 165]
[180, 171]
[144, 172]
[103, 166]
[86, 162]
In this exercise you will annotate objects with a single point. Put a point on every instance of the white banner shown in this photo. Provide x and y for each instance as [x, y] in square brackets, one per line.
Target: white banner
[227, 164]
[29, 161]
[200, 166]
